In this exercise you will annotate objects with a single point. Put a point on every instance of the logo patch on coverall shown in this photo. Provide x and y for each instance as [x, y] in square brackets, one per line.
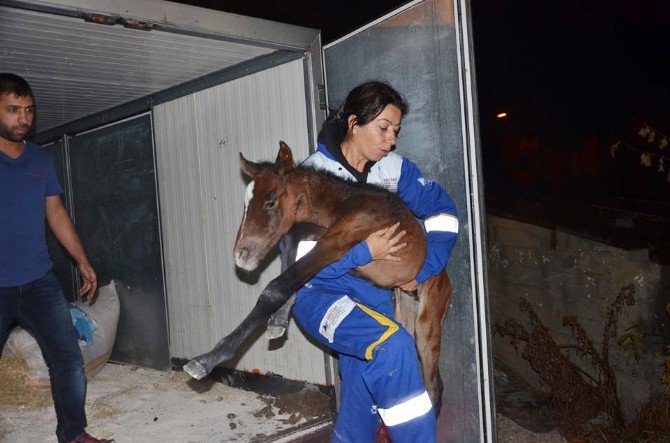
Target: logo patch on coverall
[334, 316]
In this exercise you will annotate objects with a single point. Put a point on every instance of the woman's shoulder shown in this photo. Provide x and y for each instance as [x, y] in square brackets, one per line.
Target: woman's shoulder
[393, 157]
[391, 161]
[317, 160]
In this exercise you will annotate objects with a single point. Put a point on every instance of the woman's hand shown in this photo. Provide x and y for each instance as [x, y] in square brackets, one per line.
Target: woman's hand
[383, 243]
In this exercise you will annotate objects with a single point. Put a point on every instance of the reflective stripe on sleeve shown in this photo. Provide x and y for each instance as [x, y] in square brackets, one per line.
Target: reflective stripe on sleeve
[304, 246]
[407, 410]
[441, 222]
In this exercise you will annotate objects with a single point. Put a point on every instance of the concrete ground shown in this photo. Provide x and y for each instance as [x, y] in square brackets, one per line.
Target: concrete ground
[142, 405]
[133, 404]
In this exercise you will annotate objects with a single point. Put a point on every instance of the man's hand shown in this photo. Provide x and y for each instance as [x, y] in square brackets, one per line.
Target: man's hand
[383, 243]
[90, 281]
[63, 228]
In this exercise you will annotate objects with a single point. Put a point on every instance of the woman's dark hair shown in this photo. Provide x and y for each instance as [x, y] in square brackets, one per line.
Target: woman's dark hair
[13, 84]
[366, 101]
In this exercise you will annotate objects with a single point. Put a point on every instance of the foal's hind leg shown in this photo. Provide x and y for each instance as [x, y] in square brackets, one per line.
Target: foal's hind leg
[434, 298]
[405, 309]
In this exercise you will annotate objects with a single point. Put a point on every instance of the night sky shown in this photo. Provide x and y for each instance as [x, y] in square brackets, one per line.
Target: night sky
[575, 77]
[592, 59]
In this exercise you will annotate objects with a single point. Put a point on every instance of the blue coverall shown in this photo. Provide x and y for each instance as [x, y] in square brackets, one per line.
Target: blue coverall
[379, 366]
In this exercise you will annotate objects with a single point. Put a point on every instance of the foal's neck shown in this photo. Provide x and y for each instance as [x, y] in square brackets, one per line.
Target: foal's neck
[322, 196]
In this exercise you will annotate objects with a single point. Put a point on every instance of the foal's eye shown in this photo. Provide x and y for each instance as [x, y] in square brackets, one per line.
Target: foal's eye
[270, 204]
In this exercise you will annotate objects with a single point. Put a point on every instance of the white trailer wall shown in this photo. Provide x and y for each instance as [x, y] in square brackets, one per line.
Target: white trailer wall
[198, 140]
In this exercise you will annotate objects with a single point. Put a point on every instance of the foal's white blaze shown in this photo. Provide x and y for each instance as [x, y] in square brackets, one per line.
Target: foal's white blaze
[248, 195]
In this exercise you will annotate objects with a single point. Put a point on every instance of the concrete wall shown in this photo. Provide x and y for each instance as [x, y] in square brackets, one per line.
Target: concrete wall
[565, 275]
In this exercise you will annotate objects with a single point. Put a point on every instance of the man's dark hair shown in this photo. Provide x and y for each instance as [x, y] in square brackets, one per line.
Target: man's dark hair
[14, 84]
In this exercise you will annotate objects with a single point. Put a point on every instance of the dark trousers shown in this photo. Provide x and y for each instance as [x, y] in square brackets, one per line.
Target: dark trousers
[40, 307]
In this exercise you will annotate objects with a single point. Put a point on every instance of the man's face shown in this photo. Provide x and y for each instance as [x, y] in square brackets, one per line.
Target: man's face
[16, 116]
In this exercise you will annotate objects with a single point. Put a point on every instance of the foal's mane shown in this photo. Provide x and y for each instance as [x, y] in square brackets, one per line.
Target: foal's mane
[339, 181]
[346, 186]
[329, 177]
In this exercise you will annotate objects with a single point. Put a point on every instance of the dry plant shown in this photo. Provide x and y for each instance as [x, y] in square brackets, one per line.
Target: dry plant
[653, 153]
[575, 395]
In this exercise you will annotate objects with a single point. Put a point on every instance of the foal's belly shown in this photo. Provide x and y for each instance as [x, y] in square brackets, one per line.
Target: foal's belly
[388, 274]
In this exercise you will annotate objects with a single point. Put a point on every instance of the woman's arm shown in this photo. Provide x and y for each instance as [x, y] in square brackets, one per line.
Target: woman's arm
[380, 245]
[431, 203]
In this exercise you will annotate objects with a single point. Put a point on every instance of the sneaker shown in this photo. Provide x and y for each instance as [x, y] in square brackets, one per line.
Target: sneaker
[84, 437]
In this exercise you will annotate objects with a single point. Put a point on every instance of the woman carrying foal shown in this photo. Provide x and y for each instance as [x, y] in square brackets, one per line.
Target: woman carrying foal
[380, 371]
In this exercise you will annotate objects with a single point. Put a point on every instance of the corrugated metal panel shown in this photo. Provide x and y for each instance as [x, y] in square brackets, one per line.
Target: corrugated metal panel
[181, 222]
[78, 68]
[198, 139]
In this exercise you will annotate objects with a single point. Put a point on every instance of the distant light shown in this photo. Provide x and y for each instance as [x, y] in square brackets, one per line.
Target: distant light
[501, 115]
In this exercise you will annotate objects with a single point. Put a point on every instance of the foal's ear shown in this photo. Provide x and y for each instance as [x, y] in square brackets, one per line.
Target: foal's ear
[284, 160]
[249, 168]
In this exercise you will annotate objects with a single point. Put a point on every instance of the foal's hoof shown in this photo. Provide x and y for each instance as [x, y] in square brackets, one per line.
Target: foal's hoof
[274, 331]
[195, 369]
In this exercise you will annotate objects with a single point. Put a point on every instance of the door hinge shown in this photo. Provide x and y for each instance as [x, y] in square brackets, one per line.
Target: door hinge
[321, 90]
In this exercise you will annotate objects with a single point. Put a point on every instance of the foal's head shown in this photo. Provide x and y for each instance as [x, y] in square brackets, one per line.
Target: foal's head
[269, 208]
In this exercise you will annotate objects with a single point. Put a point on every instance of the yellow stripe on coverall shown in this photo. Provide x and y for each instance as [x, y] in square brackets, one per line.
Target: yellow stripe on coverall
[392, 328]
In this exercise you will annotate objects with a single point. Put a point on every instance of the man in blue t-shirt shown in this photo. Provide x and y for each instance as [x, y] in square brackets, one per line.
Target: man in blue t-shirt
[30, 295]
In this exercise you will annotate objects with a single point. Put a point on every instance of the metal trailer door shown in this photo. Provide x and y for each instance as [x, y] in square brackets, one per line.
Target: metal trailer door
[116, 211]
[423, 50]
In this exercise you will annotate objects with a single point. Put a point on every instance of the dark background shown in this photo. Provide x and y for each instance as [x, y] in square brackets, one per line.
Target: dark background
[334, 18]
[576, 79]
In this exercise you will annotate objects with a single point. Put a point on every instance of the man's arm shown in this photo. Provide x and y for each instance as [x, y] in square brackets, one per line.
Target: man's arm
[63, 228]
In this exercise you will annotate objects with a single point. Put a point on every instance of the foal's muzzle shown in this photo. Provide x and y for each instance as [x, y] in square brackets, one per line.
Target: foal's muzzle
[245, 260]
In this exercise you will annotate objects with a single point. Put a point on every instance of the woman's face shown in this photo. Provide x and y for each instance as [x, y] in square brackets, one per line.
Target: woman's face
[375, 139]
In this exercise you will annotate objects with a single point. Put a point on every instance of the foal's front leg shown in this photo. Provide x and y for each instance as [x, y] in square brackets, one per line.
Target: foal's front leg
[275, 294]
[278, 322]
